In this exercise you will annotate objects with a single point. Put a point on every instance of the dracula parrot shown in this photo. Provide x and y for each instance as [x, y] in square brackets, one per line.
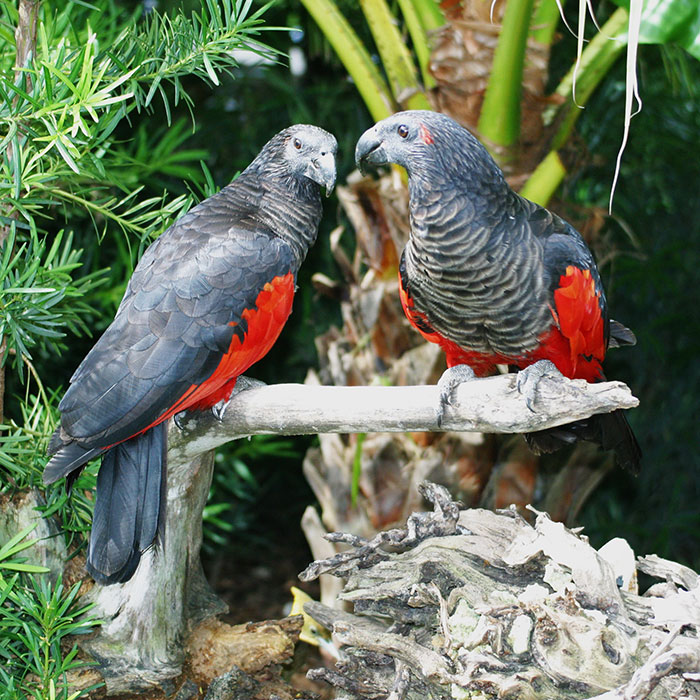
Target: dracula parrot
[207, 299]
[495, 279]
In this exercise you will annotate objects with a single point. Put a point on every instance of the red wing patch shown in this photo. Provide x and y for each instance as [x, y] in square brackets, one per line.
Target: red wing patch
[415, 317]
[425, 135]
[265, 322]
[579, 316]
[574, 343]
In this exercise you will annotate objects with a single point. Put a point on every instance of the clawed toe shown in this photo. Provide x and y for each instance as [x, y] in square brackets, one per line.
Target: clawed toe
[242, 384]
[180, 419]
[219, 409]
[528, 380]
[447, 384]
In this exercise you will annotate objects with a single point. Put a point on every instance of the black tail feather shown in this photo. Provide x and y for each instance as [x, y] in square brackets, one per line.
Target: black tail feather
[129, 506]
[616, 434]
[609, 430]
[68, 459]
[620, 335]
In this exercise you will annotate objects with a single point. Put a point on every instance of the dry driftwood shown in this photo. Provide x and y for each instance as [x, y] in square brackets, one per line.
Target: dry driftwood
[491, 405]
[477, 604]
[146, 620]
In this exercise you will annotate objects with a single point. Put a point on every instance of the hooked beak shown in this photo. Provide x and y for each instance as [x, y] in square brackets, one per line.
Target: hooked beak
[322, 171]
[370, 151]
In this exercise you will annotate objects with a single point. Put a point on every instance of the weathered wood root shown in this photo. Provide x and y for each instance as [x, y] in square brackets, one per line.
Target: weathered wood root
[471, 603]
[139, 643]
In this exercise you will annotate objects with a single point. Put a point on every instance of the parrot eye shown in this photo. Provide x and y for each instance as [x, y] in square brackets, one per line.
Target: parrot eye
[297, 144]
[402, 131]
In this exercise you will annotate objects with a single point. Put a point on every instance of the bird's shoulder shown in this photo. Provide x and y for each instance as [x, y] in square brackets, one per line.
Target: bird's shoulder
[189, 291]
[211, 245]
[562, 245]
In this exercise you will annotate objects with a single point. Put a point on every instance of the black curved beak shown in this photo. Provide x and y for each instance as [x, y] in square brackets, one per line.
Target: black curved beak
[322, 171]
[370, 150]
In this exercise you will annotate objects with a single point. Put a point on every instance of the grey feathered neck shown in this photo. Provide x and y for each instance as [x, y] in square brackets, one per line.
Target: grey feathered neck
[457, 158]
[285, 204]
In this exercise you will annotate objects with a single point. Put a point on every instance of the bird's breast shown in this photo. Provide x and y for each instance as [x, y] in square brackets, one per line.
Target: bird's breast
[482, 298]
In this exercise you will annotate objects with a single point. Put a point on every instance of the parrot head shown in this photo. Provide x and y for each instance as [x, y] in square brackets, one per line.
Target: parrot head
[397, 139]
[427, 144]
[310, 152]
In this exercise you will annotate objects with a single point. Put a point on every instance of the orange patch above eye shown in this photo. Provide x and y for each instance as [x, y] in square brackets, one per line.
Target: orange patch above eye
[425, 135]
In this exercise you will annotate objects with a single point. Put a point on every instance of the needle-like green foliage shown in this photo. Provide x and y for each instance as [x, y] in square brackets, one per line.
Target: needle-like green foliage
[36, 616]
[76, 155]
[94, 65]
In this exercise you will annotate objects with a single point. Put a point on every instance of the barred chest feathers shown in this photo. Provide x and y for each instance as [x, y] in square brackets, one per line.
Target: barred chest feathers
[475, 279]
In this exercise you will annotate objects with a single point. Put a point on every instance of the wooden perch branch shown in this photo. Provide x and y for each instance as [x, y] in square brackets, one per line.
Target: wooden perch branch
[168, 596]
[491, 405]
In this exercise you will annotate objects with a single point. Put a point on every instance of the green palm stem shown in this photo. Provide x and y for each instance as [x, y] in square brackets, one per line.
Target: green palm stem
[431, 16]
[356, 469]
[396, 58]
[419, 39]
[499, 121]
[422, 17]
[354, 56]
[596, 60]
[545, 20]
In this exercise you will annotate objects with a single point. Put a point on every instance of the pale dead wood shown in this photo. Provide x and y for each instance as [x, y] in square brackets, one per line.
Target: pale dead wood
[473, 603]
[140, 642]
[684, 657]
[321, 548]
[490, 405]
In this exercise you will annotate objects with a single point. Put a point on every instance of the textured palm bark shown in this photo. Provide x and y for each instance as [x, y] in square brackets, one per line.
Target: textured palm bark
[471, 603]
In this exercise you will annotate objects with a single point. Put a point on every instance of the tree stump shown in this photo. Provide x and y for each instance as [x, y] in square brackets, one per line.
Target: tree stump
[476, 604]
[146, 621]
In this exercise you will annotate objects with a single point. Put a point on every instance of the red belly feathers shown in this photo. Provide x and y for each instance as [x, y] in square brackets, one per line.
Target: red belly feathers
[575, 342]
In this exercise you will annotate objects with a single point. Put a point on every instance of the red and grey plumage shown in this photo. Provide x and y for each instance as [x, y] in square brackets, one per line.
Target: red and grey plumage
[492, 277]
[208, 299]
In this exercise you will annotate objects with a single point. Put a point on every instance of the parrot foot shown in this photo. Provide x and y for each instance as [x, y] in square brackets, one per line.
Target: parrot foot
[529, 378]
[219, 409]
[448, 382]
[242, 383]
[180, 419]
